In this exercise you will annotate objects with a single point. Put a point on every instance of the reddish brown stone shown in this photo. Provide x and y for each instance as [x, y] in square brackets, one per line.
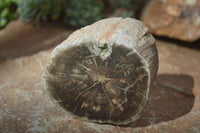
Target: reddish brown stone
[25, 107]
[178, 19]
[173, 106]
[18, 39]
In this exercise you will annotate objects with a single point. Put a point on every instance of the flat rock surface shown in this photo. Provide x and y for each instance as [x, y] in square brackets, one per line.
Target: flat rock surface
[19, 39]
[178, 19]
[173, 105]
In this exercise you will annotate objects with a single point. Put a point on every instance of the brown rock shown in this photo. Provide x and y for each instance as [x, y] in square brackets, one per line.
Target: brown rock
[25, 107]
[178, 19]
[18, 38]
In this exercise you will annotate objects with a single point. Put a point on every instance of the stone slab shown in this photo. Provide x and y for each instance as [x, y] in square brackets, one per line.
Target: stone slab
[173, 106]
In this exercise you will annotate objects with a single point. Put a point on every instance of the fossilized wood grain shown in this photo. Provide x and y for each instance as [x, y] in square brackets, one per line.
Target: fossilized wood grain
[129, 32]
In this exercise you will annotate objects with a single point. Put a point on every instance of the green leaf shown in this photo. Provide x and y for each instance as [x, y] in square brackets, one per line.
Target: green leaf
[3, 22]
[5, 13]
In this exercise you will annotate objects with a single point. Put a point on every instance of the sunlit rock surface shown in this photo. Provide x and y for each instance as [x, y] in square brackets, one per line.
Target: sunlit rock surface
[179, 19]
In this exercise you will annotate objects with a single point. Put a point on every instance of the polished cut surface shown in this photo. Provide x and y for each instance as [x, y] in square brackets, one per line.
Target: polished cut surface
[109, 90]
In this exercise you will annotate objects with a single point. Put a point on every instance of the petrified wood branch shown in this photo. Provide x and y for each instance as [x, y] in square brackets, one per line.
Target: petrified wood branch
[102, 72]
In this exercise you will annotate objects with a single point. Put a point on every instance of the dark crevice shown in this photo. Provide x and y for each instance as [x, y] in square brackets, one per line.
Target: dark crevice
[104, 47]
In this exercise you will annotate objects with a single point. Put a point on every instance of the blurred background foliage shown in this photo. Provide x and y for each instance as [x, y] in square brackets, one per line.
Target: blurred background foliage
[78, 13]
[8, 11]
[39, 10]
[73, 13]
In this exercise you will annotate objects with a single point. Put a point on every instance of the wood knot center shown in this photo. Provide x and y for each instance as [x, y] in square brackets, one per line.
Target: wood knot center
[103, 78]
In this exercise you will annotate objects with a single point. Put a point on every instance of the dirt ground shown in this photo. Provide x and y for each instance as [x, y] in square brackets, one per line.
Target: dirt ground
[173, 105]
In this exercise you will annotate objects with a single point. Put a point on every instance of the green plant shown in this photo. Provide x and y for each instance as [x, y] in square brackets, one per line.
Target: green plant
[8, 12]
[39, 10]
[78, 13]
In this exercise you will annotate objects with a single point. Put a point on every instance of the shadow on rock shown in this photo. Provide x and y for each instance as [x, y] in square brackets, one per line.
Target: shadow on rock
[171, 97]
